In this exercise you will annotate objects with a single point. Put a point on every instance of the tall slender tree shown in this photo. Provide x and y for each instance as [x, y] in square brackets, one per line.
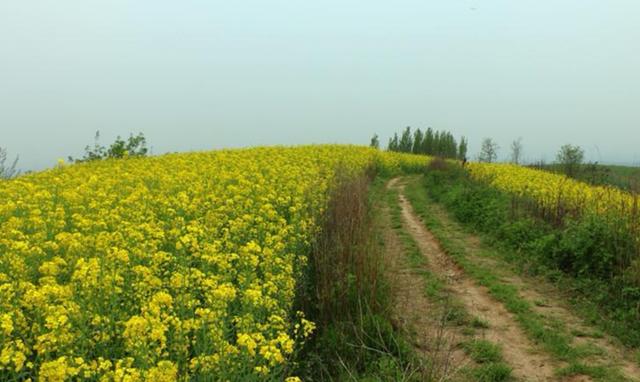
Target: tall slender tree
[406, 141]
[437, 143]
[393, 143]
[451, 146]
[427, 143]
[418, 137]
[463, 148]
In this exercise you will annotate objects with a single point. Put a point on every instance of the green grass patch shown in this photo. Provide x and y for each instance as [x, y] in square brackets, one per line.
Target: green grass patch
[492, 372]
[491, 366]
[483, 351]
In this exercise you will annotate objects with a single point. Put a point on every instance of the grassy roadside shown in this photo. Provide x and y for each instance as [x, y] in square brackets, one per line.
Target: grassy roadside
[552, 336]
[488, 365]
[346, 293]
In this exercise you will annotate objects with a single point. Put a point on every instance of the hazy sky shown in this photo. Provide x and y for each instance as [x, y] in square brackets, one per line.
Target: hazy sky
[194, 75]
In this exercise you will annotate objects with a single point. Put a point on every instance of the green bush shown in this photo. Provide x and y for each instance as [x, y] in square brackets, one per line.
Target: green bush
[586, 248]
[521, 233]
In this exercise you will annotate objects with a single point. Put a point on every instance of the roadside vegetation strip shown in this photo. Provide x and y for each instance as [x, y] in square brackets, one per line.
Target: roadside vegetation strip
[549, 300]
[553, 338]
[588, 235]
[585, 254]
[349, 296]
[581, 258]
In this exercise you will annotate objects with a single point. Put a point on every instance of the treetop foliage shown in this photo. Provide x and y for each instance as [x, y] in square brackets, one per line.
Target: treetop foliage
[570, 158]
[134, 146]
[430, 142]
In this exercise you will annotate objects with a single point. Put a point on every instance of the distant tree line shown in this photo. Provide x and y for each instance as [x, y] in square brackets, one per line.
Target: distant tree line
[430, 142]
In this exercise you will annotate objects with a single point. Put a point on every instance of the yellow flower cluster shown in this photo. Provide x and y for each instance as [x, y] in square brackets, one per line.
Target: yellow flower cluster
[178, 267]
[553, 190]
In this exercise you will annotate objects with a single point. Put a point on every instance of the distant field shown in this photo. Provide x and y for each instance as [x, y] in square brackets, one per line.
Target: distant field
[624, 177]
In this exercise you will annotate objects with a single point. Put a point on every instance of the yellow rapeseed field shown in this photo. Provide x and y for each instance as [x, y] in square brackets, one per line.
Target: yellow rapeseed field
[553, 190]
[178, 267]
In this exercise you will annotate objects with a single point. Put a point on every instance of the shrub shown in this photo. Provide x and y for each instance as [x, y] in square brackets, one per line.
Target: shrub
[591, 247]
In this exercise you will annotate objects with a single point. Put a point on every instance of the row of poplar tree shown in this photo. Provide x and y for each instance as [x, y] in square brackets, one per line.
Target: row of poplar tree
[430, 142]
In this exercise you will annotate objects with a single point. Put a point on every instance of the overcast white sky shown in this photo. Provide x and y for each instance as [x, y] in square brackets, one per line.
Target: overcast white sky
[195, 75]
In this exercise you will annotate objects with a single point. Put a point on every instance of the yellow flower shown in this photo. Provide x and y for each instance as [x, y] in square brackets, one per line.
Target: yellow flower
[245, 340]
[6, 324]
[57, 371]
[18, 360]
[135, 329]
[307, 327]
[165, 371]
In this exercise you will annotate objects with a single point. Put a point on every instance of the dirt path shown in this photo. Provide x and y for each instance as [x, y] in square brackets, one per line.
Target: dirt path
[528, 364]
[415, 314]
